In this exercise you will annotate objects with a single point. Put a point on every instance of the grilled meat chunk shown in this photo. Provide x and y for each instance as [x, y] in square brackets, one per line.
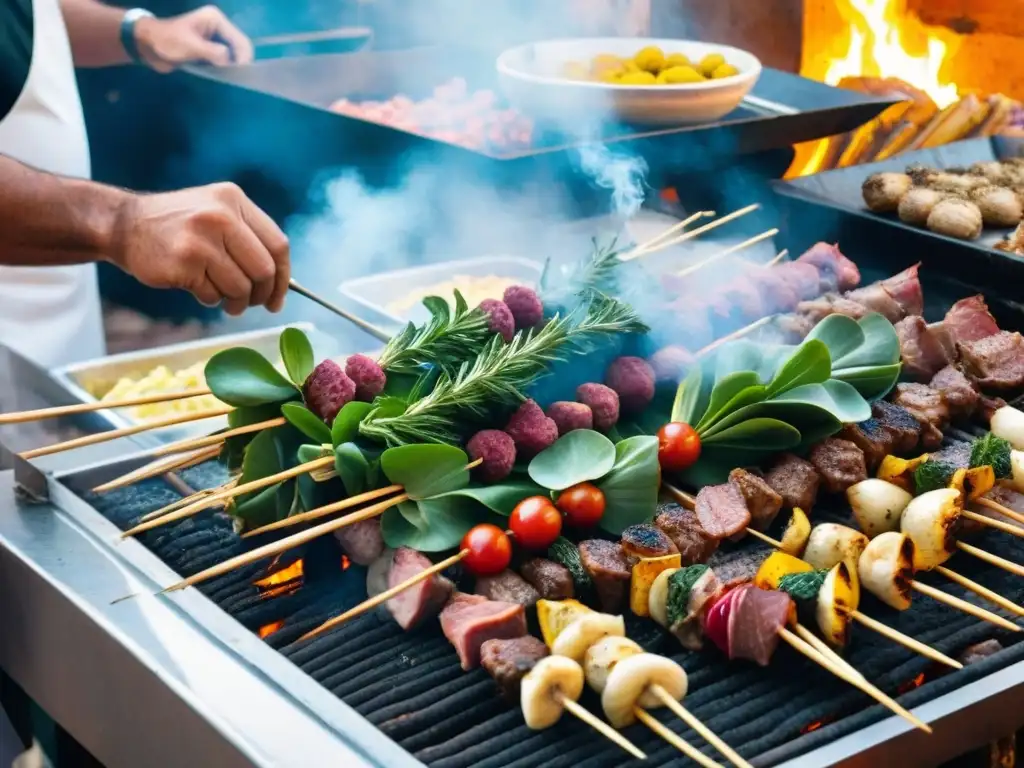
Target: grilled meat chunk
[508, 587]
[831, 304]
[763, 502]
[738, 566]
[958, 392]
[468, 621]
[929, 407]
[610, 571]
[972, 654]
[645, 540]
[361, 541]
[551, 580]
[905, 289]
[900, 423]
[777, 293]
[875, 298]
[795, 480]
[802, 277]
[970, 320]
[757, 617]
[995, 362]
[872, 437]
[508, 661]
[689, 630]
[695, 545]
[421, 601]
[840, 464]
[794, 327]
[722, 510]
[923, 348]
[828, 259]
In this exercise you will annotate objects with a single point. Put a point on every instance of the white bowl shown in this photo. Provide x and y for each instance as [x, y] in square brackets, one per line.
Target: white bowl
[531, 77]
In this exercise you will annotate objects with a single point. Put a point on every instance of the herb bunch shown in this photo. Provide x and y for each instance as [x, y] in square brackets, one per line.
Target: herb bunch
[597, 273]
[446, 340]
[495, 380]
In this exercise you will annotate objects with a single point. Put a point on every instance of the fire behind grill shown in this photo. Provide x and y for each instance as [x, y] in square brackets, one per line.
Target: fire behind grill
[410, 685]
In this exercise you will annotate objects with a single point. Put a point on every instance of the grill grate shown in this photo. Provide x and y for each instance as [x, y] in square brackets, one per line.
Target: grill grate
[411, 687]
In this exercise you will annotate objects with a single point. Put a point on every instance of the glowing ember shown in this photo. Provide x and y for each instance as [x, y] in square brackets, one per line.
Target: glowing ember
[268, 629]
[345, 562]
[910, 685]
[816, 725]
[282, 582]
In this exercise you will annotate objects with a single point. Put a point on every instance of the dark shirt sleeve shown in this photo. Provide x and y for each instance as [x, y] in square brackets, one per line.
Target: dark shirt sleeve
[16, 35]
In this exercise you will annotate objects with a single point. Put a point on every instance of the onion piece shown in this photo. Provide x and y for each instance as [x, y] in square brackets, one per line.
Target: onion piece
[877, 505]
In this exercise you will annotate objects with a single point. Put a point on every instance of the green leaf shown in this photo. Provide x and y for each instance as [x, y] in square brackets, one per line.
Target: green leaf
[352, 467]
[426, 469]
[865, 353]
[438, 308]
[725, 390]
[684, 407]
[631, 488]
[809, 364]
[304, 420]
[714, 465]
[803, 587]
[577, 457]
[461, 306]
[765, 434]
[880, 344]
[307, 453]
[429, 525]
[841, 334]
[745, 400]
[297, 355]
[500, 498]
[346, 424]
[258, 509]
[840, 399]
[680, 585]
[873, 382]
[242, 376]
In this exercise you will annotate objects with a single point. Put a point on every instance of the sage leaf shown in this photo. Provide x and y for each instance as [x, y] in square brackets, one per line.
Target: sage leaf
[725, 390]
[308, 423]
[352, 467]
[346, 424]
[297, 355]
[574, 458]
[767, 434]
[631, 488]
[241, 376]
[809, 364]
[684, 407]
[429, 525]
[426, 469]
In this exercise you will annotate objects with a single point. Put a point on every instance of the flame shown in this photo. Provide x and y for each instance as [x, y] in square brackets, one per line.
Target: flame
[268, 629]
[282, 582]
[910, 685]
[817, 724]
[885, 40]
[345, 562]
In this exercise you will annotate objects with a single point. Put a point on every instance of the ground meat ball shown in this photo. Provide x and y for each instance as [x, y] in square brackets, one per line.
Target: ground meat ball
[525, 305]
[570, 416]
[840, 464]
[499, 318]
[498, 451]
[632, 378]
[531, 429]
[603, 402]
[368, 377]
[795, 480]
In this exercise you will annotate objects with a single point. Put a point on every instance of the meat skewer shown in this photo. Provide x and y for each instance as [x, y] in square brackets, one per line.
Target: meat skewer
[727, 252]
[670, 242]
[679, 225]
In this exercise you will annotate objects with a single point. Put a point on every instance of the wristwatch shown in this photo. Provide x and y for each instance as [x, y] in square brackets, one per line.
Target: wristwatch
[128, 32]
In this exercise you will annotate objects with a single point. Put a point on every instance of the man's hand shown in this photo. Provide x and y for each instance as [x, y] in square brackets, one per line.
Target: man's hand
[205, 35]
[212, 241]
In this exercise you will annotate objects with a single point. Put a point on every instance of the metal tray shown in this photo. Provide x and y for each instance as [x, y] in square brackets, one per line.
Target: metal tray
[828, 206]
[81, 379]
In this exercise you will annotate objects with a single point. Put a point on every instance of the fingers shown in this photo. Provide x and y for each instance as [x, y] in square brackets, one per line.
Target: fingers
[217, 54]
[276, 244]
[206, 294]
[218, 26]
[230, 281]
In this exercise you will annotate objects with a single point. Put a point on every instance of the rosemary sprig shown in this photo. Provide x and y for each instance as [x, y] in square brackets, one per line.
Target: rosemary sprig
[495, 381]
[446, 340]
[596, 273]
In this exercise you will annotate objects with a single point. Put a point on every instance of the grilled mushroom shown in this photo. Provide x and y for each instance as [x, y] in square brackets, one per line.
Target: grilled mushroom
[1016, 479]
[886, 568]
[929, 521]
[877, 505]
[836, 598]
[882, 191]
[628, 683]
[544, 688]
[1008, 423]
[657, 600]
[575, 639]
[603, 656]
[798, 531]
[999, 206]
[917, 205]
[956, 218]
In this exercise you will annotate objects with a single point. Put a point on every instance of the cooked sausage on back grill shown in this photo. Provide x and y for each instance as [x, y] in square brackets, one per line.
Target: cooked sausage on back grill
[695, 545]
[763, 502]
[610, 571]
[839, 462]
[795, 480]
[645, 540]
[507, 586]
[552, 580]
[900, 423]
[508, 661]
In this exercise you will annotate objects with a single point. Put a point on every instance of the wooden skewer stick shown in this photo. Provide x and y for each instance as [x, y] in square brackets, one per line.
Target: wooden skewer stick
[999, 562]
[727, 252]
[641, 249]
[1013, 530]
[822, 647]
[695, 723]
[161, 467]
[383, 597]
[995, 506]
[744, 331]
[706, 228]
[578, 711]
[907, 642]
[224, 495]
[114, 434]
[765, 538]
[963, 605]
[983, 592]
[185, 501]
[807, 650]
[675, 740]
[283, 545]
[100, 405]
[218, 438]
[781, 256]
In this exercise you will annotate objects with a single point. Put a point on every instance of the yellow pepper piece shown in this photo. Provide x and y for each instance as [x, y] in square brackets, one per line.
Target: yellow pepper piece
[644, 574]
[900, 471]
[797, 532]
[973, 483]
[777, 565]
[556, 615]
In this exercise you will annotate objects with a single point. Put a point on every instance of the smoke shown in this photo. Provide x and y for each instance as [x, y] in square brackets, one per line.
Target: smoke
[621, 173]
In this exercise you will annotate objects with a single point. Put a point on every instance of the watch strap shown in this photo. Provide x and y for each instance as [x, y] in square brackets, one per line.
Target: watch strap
[128, 22]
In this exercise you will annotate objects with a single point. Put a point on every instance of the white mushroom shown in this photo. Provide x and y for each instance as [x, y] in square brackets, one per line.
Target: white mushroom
[657, 599]
[798, 530]
[999, 206]
[886, 569]
[917, 205]
[836, 598]
[882, 191]
[956, 218]
[543, 689]
[929, 520]
[574, 640]
[877, 505]
[1016, 479]
[831, 543]
[1008, 423]
[627, 686]
[604, 655]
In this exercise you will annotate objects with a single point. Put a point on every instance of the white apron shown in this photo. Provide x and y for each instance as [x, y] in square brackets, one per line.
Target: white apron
[52, 314]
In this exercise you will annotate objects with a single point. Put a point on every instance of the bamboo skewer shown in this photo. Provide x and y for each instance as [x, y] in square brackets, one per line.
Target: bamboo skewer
[675, 740]
[21, 417]
[807, 650]
[219, 437]
[283, 545]
[907, 642]
[1013, 530]
[745, 330]
[963, 605]
[224, 495]
[823, 648]
[706, 228]
[995, 506]
[155, 468]
[643, 247]
[983, 592]
[184, 502]
[582, 713]
[780, 256]
[697, 725]
[727, 252]
[316, 514]
[988, 557]
[114, 434]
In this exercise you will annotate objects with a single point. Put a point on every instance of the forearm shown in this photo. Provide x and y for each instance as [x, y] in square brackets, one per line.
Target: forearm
[95, 33]
[48, 220]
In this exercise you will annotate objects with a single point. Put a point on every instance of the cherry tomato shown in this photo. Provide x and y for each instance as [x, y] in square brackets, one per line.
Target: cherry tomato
[716, 625]
[583, 505]
[678, 446]
[535, 522]
[490, 550]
